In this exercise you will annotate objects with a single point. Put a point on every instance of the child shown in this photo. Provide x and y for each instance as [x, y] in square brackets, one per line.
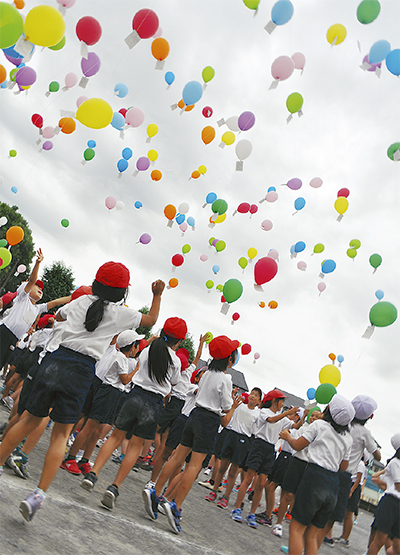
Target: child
[65, 376]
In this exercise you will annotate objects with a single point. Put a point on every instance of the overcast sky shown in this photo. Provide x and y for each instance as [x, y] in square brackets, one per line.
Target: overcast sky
[350, 119]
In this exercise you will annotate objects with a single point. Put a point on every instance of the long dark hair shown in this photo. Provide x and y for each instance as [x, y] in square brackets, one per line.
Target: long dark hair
[337, 427]
[358, 421]
[160, 358]
[222, 364]
[395, 456]
[105, 295]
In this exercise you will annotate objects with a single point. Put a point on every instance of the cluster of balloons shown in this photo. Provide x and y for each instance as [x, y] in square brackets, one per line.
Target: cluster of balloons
[14, 235]
[354, 245]
[218, 244]
[89, 153]
[201, 170]
[283, 67]
[123, 164]
[341, 203]
[382, 51]
[111, 203]
[246, 208]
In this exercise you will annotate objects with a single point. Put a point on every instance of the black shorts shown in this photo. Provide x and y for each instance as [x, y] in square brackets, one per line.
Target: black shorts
[280, 467]
[343, 497]
[27, 360]
[261, 456]
[14, 356]
[354, 500]
[61, 384]
[316, 496]
[175, 433]
[106, 404]
[7, 339]
[293, 475]
[219, 442]
[169, 413]
[200, 430]
[236, 447]
[87, 406]
[387, 516]
[139, 413]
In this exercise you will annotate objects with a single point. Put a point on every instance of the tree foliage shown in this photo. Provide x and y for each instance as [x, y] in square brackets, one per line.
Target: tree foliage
[141, 330]
[58, 281]
[187, 343]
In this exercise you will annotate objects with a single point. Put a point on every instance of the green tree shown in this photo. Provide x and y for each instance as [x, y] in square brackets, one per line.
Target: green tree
[187, 343]
[58, 281]
[141, 330]
[22, 253]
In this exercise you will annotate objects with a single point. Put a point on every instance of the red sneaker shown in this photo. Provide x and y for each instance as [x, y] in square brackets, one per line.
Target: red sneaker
[288, 516]
[212, 496]
[85, 468]
[71, 466]
[275, 511]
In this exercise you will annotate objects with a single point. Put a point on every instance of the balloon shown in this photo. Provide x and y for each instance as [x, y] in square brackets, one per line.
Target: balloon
[37, 120]
[122, 165]
[252, 253]
[88, 30]
[183, 227]
[266, 225]
[118, 121]
[343, 192]
[246, 121]
[65, 222]
[134, 117]
[177, 260]
[220, 246]
[59, 45]
[160, 48]
[310, 393]
[299, 60]
[127, 153]
[156, 175]
[395, 147]
[145, 23]
[170, 211]
[173, 282]
[261, 304]
[316, 182]
[195, 174]
[372, 67]
[272, 305]
[138, 204]
[243, 149]
[210, 198]
[378, 52]
[242, 262]
[90, 65]
[192, 92]
[379, 294]
[183, 208]
[209, 284]
[204, 257]
[382, 314]
[169, 77]
[14, 190]
[282, 68]
[145, 239]
[324, 393]
[232, 290]
[332, 356]
[273, 254]
[152, 155]
[3, 74]
[321, 286]
[120, 205]
[219, 206]
[142, 164]
[208, 74]
[336, 34]
[375, 260]
[253, 209]
[12, 153]
[295, 183]
[47, 145]
[235, 316]
[54, 86]
[208, 134]
[25, 76]
[152, 130]
[186, 249]
[228, 138]
[340, 359]
[393, 61]
[328, 266]
[301, 265]
[265, 269]
[299, 203]
[368, 11]
[44, 26]
[209, 337]
[180, 218]
[110, 202]
[351, 253]
[5, 255]
[330, 374]
[294, 102]
[14, 235]
[11, 25]
[251, 4]
[299, 246]
[319, 247]
[121, 90]
[202, 169]
[89, 154]
[67, 125]
[207, 111]
[282, 12]
[48, 132]
[245, 349]
[91, 143]
[355, 243]
[95, 113]
[341, 205]
[81, 100]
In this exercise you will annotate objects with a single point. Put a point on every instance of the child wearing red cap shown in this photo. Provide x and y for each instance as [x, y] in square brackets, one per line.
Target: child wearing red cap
[213, 400]
[65, 376]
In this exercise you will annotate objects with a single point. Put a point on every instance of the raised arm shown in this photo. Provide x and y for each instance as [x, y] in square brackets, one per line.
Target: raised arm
[58, 302]
[277, 417]
[200, 349]
[35, 271]
[297, 444]
[148, 320]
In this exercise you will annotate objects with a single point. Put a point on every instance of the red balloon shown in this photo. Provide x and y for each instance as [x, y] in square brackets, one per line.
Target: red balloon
[88, 30]
[246, 349]
[243, 208]
[264, 270]
[145, 23]
[223, 299]
[235, 316]
[343, 192]
[177, 260]
[123, 111]
[37, 120]
[253, 209]
[207, 111]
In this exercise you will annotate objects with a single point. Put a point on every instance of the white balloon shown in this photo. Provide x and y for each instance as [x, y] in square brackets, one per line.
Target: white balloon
[120, 205]
[243, 149]
[3, 221]
[183, 208]
[232, 123]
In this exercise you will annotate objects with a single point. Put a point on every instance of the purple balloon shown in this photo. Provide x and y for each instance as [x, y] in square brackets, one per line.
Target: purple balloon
[373, 66]
[143, 163]
[25, 77]
[145, 239]
[47, 145]
[294, 183]
[215, 242]
[246, 121]
[91, 65]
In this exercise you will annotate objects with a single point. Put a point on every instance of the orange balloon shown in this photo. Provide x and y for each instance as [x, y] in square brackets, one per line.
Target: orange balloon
[156, 175]
[189, 108]
[160, 48]
[208, 134]
[196, 174]
[14, 235]
[181, 105]
[3, 74]
[272, 304]
[332, 356]
[173, 282]
[19, 4]
[262, 304]
[67, 125]
[170, 211]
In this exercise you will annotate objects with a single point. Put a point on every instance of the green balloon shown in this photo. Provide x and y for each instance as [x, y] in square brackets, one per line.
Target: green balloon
[219, 287]
[324, 393]
[355, 243]
[54, 86]
[219, 206]
[13, 73]
[209, 284]
[3, 243]
[11, 26]
[368, 11]
[319, 247]
[294, 102]
[242, 262]
[210, 241]
[59, 45]
[251, 4]
[186, 249]
[375, 260]
[13, 153]
[89, 154]
[382, 314]
[5, 256]
[392, 149]
[220, 246]
[64, 222]
[351, 253]
[232, 290]
[208, 74]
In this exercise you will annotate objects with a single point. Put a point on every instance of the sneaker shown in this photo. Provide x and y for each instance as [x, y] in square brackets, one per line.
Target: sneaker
[8, 402]
[147, 465]
[212, 496]
[236, 515]
[31, 504]
[110, 496]
[151, 502]
[342, 541]
[174, 516]
[355, 522]
[150, 485]
[85, 468]
[284, 548]
[328, 541]
[208, 471]
[117, 459]
[236, 488]
[260, 517]
[89, 481]
[288, 517]
[223, 503]
[21, 469]
[161, 502]
[277, 530]
[10, 460]
[206, 484]
[266, 521]
[138, 463]
[71, 466]
[275, 511]
[251, 520]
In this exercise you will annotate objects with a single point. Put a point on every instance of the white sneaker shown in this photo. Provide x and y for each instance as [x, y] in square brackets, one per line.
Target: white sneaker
[206, 484]
[149, 485]
[208, 471]
[277, 530]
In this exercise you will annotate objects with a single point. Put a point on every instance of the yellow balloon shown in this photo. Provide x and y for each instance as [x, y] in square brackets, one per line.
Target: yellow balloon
[95, 113]
[336, 34]
[44, 26]
[341, 205]
[152, 155]
[152, 130]
[202, 169]
[330, 374]
[220, 219]
[228, 138]
[252, 253]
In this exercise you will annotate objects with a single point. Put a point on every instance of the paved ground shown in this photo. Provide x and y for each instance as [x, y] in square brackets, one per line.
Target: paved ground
[72, 521]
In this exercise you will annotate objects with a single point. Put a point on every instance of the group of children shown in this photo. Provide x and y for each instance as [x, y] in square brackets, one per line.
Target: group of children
[91, 370]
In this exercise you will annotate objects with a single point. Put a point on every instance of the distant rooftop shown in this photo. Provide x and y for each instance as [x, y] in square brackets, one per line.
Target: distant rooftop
[238, 378]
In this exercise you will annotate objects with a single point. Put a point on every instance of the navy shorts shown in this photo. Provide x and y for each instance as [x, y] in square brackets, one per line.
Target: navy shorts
[354, 500]
[169, 413]
[139, 413]
[219, 442]
[61, 384]
[387, 516]
[280, 467]
[316, 496]
[106, 404]
[293, 475]
[175, 433]
[27, 360]
[261, 456]
[200, 430]
[87, 406]
[7, 339]
[343, 497]
[236, 447]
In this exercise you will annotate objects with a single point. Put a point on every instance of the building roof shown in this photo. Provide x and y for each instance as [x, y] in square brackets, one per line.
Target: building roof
[292, 400]
[238, 378]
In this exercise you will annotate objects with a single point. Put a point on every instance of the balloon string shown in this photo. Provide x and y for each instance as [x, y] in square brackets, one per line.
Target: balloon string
[356, 362]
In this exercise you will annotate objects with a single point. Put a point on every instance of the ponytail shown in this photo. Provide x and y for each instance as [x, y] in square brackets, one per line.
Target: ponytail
[395, 456]
[160, 358]
[105, 294]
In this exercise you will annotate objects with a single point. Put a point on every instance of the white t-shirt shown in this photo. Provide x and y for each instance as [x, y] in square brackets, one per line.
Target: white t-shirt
[270, 431]
[360, 470]
[243, 419]
[54, 339]
[362, 439]
[215, 392]
[142, 378]
[40, 338]
[392, 477]
[105, 362]
[116, 318]
[118, 365]
[286, 447]
[181, 389]
[23, 342]
[327, 448]
[23, 313]
[303, 454]
[190, 402]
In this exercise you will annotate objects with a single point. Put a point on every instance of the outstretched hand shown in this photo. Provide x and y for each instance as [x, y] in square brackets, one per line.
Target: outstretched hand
[39, 256]
[157, 287]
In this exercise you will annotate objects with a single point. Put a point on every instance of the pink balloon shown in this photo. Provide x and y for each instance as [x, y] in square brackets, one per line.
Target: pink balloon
[256, 356]
[272, 196]
[301, 265]
[267, 225]
[373, 66]
[343, 192]
[253, 209]
[66, 3]
[47, 145]
[321, 286]
[243, 208]
[134, 117]
[145, 239]
[81, 99]
[111, 202]
[316, 182]
[48, 132]
[273, 254]
[90, 65]
[183, 227]
[204, 257]
[21, 268]
[299, 60]
[282, 68]
[143, 163]
[70, 80]
[294, 183]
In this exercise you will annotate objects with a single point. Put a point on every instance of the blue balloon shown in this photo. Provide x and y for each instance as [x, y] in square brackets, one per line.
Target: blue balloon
[192, 92]
[138, 204]
[127, 153]
[237, 358]
[340, 359]
[299, 246]
[379, 51]
[292, 251]
[122, 165]
[191, 221]
[216, 268]
[91, 143]
[180, 218]
[3, 85]
[328, 266]
[121, 90]
[210, 198]
[118, 121]
[299, 203]
[393, 61]
[169, 77]
[379, 294]
[310, 393]
[282, 12]
[14, 189]
[271, 189]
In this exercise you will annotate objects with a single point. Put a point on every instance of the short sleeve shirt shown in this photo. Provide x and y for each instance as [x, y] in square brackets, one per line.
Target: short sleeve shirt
[327, 448]
[23, 313]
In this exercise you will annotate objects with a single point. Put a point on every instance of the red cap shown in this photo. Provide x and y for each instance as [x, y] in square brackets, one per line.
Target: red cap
[196, 372]
[142, 345]
[183, 355]
[40, 284]
[221, 347]
[7, 298]
[82, 290]
[175, 327]
[113, 274]
[44, 320]
[246, 398]
[273, 394]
